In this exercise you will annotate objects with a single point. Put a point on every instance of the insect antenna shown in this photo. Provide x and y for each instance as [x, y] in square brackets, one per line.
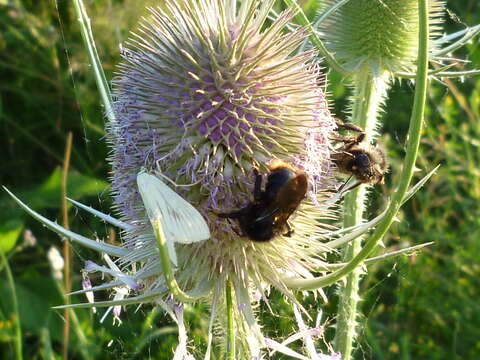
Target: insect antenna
[340, 189]
[173, 182]
[351, 187]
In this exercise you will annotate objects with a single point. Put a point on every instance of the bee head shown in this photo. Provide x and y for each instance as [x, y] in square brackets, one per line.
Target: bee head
[369, 166]
[361, 161]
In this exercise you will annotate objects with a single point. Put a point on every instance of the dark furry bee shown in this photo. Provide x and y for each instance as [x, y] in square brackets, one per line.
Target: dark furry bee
[266, 216]
[357, 157]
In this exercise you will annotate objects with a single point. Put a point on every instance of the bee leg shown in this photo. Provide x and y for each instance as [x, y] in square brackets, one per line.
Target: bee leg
[342, 155]
[232, 215]
[257, 190]
[343, 139]
[346, 126]
[290, 231]
[229, 216]
[349, 143]
[351, 187]
[360, 138]
[238, 232]
[341, 188]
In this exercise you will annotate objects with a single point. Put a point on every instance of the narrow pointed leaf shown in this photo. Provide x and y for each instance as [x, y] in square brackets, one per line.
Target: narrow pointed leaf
[128, 301]
[95, 245]
[109, 219]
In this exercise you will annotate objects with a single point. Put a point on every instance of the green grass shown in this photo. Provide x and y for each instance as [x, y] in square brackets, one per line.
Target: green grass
[421, 307]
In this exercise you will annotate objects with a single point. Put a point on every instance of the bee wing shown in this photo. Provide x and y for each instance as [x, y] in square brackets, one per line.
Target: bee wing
[181, 222]
[269, 212]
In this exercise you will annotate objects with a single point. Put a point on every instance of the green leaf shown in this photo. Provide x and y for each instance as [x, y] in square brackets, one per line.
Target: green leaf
[48, 194]
[9, 233]
[310, 8]
[36, 295]
[45, 195]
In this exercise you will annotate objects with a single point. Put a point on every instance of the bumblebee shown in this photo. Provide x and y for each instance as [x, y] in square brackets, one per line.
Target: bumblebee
[267, 215]
[358, 158]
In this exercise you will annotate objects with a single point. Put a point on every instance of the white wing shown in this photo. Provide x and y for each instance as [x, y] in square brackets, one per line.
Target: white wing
[181, 222]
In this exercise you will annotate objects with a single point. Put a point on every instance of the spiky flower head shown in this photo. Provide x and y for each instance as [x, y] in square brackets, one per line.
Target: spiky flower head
[382, 35]
[207, 91]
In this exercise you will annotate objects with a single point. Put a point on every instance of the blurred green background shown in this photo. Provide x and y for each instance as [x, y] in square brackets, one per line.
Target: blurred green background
[420, 307]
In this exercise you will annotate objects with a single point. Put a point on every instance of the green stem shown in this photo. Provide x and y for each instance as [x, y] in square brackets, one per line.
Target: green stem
[16, 318]
[414, 135]
[230, 325]
[89, 42]
[172, 284]
[77, 328]
[82, 339]
[369, 91]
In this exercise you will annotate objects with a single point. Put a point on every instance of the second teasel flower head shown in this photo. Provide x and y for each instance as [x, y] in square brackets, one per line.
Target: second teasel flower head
[207, 90]
[382, 35]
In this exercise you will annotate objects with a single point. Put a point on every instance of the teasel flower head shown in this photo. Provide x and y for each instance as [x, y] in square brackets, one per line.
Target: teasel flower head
[208, 90]
[382, 35]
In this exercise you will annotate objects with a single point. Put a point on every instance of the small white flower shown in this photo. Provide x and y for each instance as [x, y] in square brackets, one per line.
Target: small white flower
[56, 262]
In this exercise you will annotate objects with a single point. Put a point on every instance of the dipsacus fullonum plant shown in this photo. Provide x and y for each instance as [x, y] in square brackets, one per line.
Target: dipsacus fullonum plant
[206, 92]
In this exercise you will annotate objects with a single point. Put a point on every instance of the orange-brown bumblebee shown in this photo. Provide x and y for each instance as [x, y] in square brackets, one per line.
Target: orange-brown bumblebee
[357, 157]
[267, 215]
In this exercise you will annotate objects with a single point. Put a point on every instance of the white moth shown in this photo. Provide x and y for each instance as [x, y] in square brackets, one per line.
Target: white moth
[181, 222]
